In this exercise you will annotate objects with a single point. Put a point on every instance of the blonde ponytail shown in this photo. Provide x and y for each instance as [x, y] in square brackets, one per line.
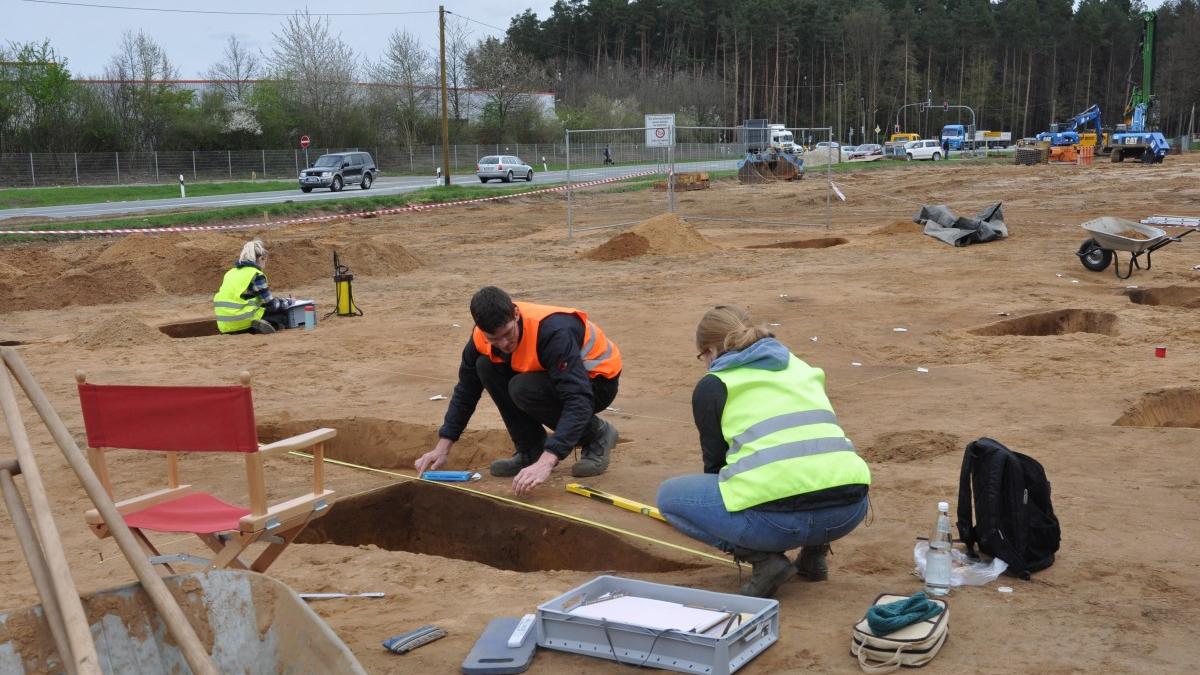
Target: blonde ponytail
[728, 328]
[252, 251]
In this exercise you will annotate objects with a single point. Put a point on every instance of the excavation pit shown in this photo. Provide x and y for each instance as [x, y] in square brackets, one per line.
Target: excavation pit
[821, 242]
[1057, 322]
[1175, 407]
[392, 444]
[442, 521]
[1174, 296]
[191, 329]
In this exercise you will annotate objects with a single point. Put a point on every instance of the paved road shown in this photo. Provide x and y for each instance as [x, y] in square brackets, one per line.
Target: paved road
[383, 186]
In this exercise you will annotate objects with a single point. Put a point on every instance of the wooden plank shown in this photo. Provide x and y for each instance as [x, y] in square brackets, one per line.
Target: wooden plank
[285, 511]
[173, 469]
[177, 624]
[256, 483]
[319, 468]
[84, 658]
[299, 442]
[36, 560]
[100, 466]
[128, 506]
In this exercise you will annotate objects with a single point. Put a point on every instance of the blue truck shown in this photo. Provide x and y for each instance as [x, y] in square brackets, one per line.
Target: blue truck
[956, 137]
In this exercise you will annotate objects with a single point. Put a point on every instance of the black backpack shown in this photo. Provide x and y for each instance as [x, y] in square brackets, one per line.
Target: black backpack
[1014, 520]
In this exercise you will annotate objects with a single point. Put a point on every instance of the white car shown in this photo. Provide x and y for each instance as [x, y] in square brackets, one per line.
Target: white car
[926, 149]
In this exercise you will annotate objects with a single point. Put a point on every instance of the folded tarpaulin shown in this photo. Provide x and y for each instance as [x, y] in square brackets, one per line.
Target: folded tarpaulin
[941, 223]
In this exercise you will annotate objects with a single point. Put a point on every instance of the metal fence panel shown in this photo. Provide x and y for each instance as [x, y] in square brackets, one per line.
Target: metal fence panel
[25, 169]
[602, 154]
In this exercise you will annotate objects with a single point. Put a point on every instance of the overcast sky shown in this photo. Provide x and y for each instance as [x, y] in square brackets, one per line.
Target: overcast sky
[88, 37]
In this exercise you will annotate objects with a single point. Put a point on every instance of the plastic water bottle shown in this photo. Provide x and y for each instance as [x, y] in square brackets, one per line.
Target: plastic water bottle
[310, 317]
[937, 561]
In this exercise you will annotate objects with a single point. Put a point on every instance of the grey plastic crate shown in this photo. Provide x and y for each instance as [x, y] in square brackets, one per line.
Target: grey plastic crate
[666, 649]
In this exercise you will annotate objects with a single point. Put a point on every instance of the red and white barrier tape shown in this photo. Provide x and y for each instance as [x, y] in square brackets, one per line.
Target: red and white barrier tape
[327, 218]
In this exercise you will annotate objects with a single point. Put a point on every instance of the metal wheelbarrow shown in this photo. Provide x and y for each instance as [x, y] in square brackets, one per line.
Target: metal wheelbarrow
[249, 622]
[1110, 235]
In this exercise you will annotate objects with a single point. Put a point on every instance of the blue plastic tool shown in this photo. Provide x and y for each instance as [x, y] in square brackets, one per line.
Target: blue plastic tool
[451, 476]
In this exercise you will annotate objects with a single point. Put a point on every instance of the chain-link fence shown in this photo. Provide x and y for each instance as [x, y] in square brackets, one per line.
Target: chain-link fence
[44, 169]
[766, 176]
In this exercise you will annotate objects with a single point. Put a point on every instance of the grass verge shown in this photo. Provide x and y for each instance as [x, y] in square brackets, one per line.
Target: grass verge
[268, 212]
[24, 198]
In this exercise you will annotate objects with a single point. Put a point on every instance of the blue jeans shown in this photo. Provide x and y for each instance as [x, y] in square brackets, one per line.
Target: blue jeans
[693, 504]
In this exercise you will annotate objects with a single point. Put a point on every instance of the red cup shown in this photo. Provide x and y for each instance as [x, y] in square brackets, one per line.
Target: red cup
[1160, 351]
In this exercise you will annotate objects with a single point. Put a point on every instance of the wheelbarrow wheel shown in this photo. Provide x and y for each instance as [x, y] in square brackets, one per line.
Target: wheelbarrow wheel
[1093, 257]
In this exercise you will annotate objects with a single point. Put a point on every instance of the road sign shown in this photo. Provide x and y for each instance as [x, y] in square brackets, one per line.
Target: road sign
[304, 142]
[660, 131]
[876, 128]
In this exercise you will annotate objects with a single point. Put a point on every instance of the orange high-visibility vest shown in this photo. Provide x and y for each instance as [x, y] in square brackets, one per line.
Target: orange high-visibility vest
[600, 355]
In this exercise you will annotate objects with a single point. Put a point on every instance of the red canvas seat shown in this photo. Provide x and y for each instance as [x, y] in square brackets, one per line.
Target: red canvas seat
[198, 512]
[174, 420]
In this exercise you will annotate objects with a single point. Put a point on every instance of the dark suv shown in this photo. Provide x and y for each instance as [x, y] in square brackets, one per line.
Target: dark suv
[339, 170]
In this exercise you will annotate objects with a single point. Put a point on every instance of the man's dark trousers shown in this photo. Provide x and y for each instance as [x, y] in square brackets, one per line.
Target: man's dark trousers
[528, 403]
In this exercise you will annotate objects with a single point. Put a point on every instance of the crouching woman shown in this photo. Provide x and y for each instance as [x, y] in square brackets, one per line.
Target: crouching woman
[779, 473]
[244, 303]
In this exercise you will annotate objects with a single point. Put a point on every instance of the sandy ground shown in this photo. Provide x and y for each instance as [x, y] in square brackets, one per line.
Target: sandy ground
[1122, 596]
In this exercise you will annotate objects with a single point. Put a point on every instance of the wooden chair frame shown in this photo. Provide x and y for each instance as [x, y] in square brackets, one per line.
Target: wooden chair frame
[277, 525]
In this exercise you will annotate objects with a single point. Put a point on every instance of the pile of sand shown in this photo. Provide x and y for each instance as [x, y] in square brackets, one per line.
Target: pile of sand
[666, 234]
[900, 227]
[133, 267]
[119, 332]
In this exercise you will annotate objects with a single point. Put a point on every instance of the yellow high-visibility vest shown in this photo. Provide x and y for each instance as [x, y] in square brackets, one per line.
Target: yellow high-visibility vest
[235, 313]
[784, 439]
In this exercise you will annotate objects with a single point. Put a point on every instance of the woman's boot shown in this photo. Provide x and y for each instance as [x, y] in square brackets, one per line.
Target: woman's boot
[769, 571]
[811, 562]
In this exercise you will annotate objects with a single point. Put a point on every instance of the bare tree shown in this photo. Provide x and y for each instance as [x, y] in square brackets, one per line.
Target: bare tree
[507, 77]
[319, 67]
[233, 73]
[140, 90]
[458, 45]
[406, 71]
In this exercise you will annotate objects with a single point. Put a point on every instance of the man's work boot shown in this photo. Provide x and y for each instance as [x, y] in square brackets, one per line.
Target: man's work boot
[261, 327]
[769, 571]
[507, 468]
[603, 438]
[810, 564]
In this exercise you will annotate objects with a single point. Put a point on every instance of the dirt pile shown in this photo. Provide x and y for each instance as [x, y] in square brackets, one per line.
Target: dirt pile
[137, 265]
[119, 332]
[666, 234]
[899, 227]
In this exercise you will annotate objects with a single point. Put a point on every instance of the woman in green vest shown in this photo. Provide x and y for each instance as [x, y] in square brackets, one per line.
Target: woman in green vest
[244, 303]
[779, 473]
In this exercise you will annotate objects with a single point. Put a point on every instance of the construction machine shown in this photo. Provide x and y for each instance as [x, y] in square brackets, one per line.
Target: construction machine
[1065, 138]
[766, 160]
[1139, 137]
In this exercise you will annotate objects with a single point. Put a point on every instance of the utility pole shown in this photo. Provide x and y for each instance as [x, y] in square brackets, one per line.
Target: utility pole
[445, 110]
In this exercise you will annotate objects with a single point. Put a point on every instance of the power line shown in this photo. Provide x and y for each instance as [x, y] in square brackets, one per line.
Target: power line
[488, 25]
[217, 12]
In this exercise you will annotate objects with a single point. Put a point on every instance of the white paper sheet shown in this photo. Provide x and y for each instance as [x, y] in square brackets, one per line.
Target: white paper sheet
[650, 613]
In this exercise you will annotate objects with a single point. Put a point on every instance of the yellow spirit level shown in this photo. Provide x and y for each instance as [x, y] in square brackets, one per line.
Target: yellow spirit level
[619, 502]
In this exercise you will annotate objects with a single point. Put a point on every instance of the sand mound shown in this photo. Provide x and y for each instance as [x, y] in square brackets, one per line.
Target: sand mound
[624, 245]
[176, 264]
[900, 227]
[119, 332]
[908, 446]
[667, 234]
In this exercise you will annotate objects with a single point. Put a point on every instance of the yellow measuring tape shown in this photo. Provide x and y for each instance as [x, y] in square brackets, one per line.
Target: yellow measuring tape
[532, 507]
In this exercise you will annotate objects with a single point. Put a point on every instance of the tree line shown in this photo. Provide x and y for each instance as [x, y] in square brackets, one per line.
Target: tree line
[1020, 64]
[309, 82]
[847, 64]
